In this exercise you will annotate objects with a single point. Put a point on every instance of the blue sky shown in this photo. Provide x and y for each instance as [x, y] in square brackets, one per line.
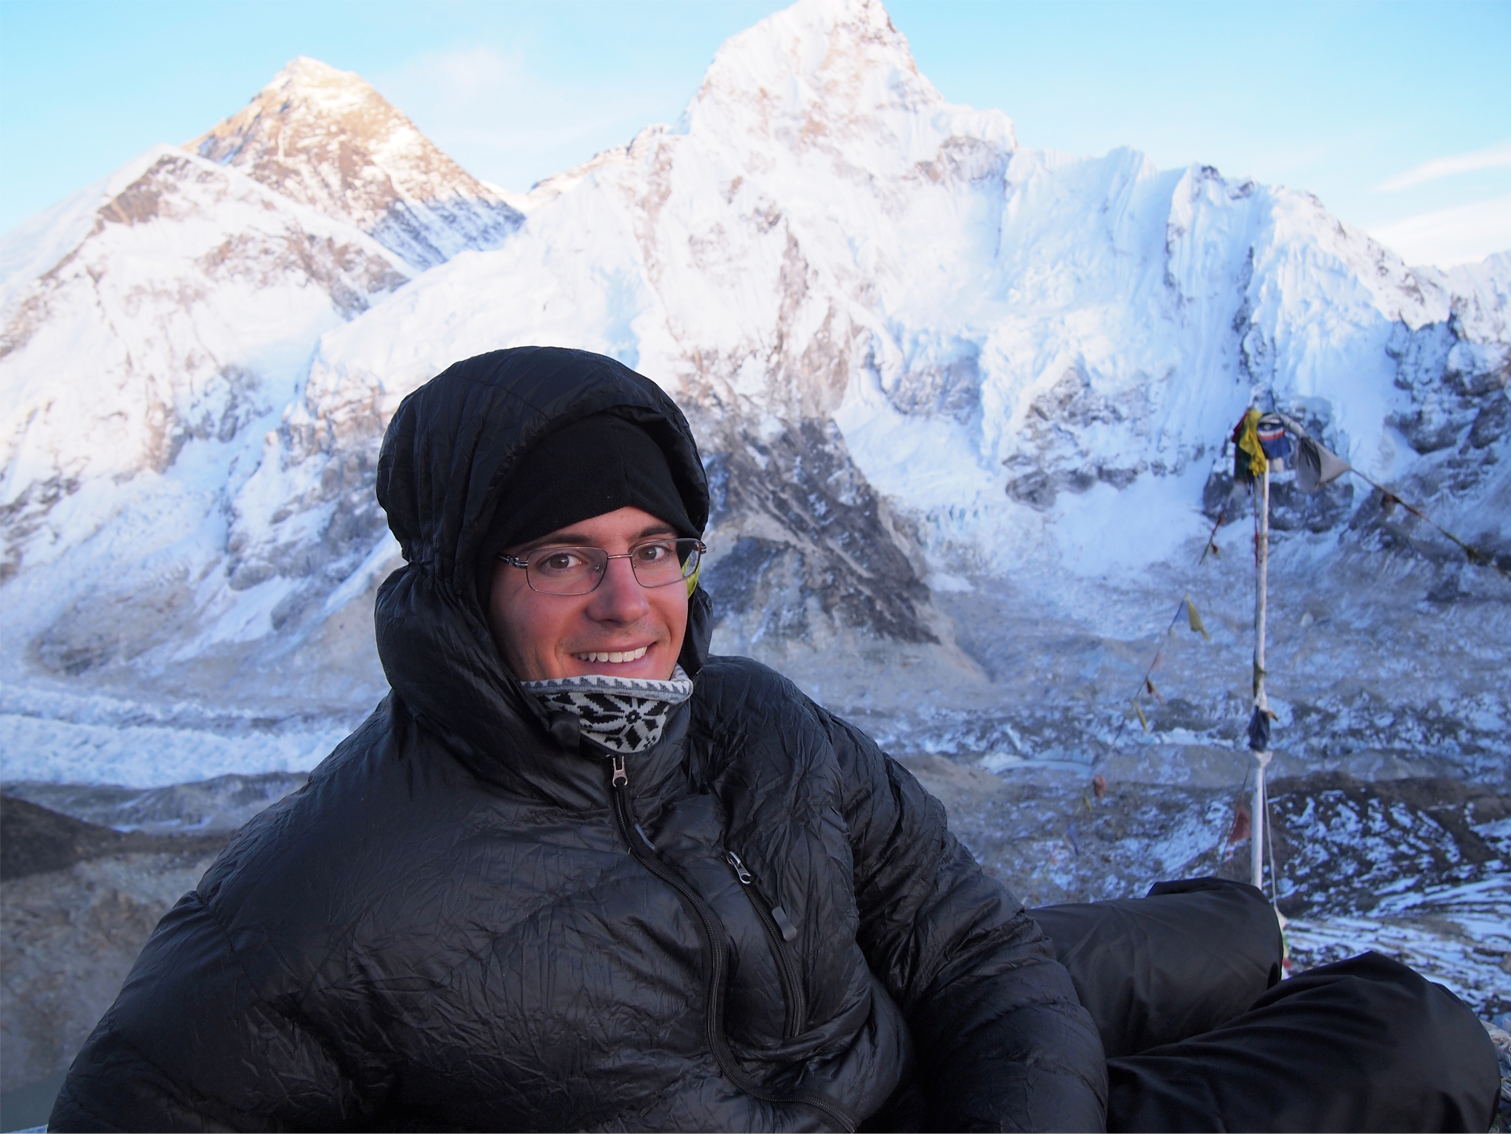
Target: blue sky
[1397, 115]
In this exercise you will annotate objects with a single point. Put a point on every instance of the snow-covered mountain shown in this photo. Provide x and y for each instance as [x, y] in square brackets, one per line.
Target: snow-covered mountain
[963, 405]
[176, 302]
[325, 138]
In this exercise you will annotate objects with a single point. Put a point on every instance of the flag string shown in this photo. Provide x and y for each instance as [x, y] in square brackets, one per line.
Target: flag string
[1473, 554]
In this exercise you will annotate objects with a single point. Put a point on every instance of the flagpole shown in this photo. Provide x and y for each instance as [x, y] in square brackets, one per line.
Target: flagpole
[1261, 702]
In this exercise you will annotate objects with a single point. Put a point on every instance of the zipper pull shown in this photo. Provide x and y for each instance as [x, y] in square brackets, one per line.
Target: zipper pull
[784, 923]
[620, 779]
[745, 877]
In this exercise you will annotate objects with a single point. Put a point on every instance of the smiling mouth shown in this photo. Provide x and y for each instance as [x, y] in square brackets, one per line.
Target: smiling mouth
[613, 657]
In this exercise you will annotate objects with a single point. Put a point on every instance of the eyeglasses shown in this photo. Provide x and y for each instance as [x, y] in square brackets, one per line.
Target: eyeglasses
[579, 570]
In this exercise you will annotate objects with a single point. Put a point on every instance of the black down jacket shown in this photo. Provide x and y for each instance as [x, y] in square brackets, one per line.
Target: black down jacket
[461, 922]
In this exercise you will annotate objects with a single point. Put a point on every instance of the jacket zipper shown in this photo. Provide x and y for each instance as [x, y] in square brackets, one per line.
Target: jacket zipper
[779, 931]
[714, 949]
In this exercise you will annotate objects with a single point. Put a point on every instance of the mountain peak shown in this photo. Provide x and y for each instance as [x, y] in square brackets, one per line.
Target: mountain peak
[318, 84]
[306, 68]
[326, 138]
[819, 72]
[820, 38]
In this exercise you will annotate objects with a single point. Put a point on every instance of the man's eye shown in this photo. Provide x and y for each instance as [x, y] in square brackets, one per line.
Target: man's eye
[559, 561]
[654, 552]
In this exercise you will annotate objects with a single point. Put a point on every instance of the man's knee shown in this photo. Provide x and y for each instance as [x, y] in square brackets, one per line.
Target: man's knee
[1411, 1039]
[1232, 916]
[1188, 957]
[1375, 995]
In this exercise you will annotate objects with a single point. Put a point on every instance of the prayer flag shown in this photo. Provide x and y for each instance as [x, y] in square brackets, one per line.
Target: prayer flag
[1248, 457]
[1195, 619]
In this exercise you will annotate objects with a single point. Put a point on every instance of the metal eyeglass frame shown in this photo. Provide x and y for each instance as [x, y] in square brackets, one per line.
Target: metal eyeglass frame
[524, 564]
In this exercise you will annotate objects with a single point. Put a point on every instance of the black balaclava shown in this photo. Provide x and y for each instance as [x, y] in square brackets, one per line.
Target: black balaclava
[598, 464]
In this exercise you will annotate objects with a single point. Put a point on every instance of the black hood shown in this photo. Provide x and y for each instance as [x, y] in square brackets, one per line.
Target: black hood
[446, 459]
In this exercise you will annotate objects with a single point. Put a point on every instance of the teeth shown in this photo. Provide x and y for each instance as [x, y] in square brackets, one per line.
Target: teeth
[614, 656]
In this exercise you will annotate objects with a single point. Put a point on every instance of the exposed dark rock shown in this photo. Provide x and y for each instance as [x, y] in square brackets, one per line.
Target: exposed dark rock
[1337, 839]
[1294, 510]
[216, 806]
[1071, 401]
[1219, 499]
[847, 553]
[34, 840]
[1493, 420]
[940, 388]
[79, 901]
[1454, 387]
[1036, 489]
[1290, 508]
[141, 201]
[1429, 428]
[765, 579]
[1381, 524]
[1342, 843]
[1118, 478]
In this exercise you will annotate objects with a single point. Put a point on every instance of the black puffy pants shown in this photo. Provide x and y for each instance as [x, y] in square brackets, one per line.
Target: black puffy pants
[1201, 1033]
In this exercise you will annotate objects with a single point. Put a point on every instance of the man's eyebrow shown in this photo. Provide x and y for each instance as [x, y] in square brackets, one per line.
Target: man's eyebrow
[568, 539]
[581, 539]
[655, 530]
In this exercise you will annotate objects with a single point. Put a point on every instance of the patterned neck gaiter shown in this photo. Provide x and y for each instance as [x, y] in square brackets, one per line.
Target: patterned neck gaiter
[624, 714]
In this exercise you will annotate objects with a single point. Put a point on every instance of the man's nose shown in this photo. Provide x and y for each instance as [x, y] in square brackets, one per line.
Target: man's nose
[620, 597]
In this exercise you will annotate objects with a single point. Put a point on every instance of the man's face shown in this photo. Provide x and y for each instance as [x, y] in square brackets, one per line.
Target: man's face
[542, 635]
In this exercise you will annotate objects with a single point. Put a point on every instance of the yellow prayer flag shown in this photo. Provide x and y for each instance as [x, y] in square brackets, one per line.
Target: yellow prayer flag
[1195, 619]
[1248, 441]
[1139, 709]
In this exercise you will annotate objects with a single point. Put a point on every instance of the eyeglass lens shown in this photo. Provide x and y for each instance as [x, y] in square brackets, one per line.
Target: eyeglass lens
[578, 570]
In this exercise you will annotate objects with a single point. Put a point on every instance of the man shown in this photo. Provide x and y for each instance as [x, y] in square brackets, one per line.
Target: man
[575, 873]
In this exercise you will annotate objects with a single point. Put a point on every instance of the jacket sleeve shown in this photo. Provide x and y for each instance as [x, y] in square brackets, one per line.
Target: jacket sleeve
[192, 1043]
[1002, 1040]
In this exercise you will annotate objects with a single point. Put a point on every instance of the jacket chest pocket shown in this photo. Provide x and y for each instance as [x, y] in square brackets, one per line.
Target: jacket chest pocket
[769, 907]
[799, 929]
[781, 933]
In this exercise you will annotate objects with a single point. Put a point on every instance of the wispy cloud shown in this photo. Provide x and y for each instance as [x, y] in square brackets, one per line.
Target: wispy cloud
[1451, 236]
[1497, 156]
[505, 120]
